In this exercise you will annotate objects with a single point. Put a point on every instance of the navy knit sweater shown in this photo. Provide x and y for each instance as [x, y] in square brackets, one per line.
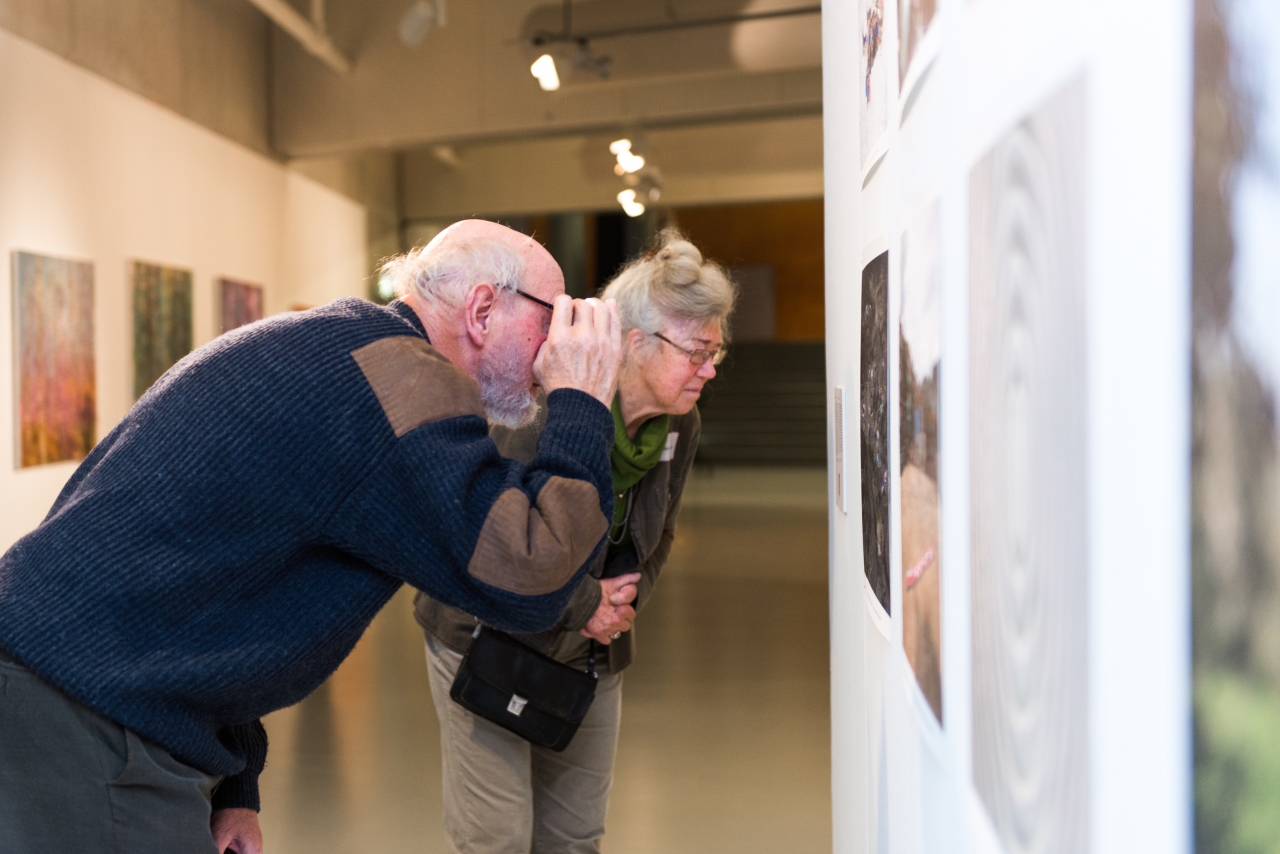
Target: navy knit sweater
[222, 550]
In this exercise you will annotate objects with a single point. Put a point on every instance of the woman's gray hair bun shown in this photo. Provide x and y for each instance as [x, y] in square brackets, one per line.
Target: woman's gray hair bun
[672, 282]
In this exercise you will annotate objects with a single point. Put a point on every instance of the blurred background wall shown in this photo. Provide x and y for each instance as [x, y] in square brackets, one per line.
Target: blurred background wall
[94, 171]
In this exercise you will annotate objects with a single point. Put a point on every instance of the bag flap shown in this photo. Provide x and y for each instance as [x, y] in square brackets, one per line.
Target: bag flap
[513, 668]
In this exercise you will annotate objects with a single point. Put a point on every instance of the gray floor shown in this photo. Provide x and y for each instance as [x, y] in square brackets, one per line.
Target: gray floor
[725, 732]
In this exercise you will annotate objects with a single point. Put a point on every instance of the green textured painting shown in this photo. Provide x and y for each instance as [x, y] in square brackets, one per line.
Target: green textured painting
[53, 343]
[161, 321]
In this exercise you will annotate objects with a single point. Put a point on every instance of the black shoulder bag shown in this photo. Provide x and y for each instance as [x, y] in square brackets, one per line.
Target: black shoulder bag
[522, 690]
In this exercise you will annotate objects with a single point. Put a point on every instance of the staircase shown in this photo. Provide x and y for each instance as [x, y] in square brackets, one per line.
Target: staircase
[766, 406]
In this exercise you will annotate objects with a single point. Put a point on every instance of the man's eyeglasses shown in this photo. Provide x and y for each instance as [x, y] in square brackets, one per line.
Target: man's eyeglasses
[532, 298]
[697, 357]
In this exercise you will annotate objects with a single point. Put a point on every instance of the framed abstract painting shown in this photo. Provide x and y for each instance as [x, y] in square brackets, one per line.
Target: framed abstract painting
[53, 342]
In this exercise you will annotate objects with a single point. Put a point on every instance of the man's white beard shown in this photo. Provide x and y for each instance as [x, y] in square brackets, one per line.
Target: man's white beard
[504, 386]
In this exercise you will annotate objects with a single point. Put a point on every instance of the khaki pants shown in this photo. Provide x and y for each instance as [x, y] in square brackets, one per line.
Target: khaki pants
[502, 795]
[73, 781]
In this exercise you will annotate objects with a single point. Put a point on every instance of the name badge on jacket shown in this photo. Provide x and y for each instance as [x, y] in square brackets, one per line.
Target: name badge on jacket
[669, 452]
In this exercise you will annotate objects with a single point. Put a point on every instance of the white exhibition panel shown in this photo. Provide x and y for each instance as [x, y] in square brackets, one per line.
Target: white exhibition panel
[95, 173]
[1055, 130]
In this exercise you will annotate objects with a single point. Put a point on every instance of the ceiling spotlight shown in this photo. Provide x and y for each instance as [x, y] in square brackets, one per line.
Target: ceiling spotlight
[420, 17]
[544, 68]
[631, 207]
[628, 161]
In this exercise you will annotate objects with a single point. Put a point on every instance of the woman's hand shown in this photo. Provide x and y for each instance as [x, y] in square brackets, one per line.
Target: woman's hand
[614, 615]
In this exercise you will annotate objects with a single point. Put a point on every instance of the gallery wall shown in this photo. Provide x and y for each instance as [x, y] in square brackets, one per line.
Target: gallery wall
[1007, 308]
[97, 174]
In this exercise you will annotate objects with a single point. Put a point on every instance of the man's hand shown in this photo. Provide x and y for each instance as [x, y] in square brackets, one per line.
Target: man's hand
[614, 614]
[236, 830]
[583, 348]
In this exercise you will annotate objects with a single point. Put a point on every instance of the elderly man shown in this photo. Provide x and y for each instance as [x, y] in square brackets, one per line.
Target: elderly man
[221, 551]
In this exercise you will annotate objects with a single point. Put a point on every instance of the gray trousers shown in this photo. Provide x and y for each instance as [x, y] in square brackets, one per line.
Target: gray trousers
[73, 781]
[502, 795]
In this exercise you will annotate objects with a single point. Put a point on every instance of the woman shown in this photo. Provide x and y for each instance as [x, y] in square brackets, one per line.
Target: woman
[502, 794]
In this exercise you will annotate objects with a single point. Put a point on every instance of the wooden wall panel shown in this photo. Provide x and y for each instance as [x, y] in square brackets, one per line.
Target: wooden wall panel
[787, 235]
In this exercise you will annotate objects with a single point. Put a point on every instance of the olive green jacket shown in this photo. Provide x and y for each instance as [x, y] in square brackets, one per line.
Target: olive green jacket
[655, 505]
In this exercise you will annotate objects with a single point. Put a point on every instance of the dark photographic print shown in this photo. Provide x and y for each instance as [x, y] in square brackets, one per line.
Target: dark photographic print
[873, 419]
[1027, 432]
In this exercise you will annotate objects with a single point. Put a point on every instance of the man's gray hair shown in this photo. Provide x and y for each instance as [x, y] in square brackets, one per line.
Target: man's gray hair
[445, 270]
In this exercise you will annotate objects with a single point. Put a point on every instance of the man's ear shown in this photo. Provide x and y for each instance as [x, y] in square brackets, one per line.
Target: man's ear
[477, 312]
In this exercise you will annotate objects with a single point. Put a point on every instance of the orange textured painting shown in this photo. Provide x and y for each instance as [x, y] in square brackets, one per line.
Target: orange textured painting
[53, 337]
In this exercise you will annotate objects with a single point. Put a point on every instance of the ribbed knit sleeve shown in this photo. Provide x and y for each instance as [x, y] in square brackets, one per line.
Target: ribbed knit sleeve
[241, 790]
[443, 491]
[222, 550]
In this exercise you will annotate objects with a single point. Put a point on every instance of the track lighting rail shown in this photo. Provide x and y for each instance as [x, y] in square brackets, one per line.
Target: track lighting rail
[544, 37]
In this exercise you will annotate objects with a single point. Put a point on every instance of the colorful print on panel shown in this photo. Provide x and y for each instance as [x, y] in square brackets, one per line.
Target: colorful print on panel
[161, 321]
[1234, 351]
[919, 369]
[240, 304]
[874, 103]
[53, 342]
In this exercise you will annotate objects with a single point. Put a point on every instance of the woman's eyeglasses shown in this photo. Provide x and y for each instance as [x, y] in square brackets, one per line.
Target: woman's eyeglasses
[697, 357]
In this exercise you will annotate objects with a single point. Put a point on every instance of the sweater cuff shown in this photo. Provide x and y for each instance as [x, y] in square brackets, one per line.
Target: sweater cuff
[240, 791]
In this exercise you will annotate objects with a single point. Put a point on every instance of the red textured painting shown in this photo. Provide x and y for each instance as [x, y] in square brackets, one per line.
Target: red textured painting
[53, 339]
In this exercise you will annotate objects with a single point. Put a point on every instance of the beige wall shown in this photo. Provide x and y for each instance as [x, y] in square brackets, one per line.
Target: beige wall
[372, 179]
[203, 59]
[742, 161]
[93, 172]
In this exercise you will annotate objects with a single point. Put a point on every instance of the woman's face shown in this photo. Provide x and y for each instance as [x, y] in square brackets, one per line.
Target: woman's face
[663, 374]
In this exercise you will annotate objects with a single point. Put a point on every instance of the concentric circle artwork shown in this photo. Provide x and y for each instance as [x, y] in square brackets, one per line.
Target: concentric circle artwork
[1028, 468]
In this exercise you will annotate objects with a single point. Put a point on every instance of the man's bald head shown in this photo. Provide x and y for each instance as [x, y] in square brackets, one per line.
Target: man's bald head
[468, 253]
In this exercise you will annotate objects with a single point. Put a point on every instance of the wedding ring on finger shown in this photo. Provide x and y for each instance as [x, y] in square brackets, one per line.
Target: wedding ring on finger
[615, 635]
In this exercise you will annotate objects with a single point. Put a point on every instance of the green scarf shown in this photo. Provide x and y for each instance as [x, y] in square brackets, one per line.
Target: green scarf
[630, 459]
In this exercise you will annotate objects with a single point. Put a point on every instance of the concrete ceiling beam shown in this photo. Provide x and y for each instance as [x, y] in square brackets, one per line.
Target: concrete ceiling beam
[310, 34]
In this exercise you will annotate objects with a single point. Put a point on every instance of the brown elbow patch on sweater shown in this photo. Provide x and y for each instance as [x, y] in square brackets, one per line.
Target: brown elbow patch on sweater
[532, 550]
[415, 384]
